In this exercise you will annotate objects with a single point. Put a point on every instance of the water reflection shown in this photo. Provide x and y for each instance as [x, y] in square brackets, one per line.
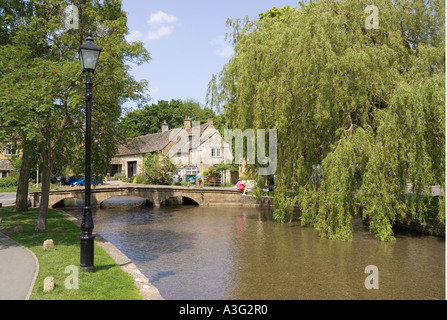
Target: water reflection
[240, 253]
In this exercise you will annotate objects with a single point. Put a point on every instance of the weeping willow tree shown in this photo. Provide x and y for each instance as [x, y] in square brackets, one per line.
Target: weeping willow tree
[368, 104]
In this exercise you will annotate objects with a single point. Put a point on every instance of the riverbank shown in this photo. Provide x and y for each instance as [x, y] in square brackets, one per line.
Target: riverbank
[108, 282]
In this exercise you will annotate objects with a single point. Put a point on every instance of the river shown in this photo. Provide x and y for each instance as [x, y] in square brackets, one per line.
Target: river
[240, 253]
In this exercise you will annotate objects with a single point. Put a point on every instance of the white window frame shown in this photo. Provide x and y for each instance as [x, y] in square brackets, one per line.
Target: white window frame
[11, 150]
[216, 152]
[190, 171]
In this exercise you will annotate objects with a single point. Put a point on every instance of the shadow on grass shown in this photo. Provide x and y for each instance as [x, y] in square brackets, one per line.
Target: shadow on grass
[104, 267]
[62, 231]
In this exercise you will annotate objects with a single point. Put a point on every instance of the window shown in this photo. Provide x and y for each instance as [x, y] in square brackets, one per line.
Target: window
[3, 174]
[191, 170]
[11, 150]
[215, 152]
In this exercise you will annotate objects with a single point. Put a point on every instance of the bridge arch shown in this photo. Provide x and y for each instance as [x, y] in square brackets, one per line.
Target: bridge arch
[186, 196]
[117, 201]
[179, 200]
[68, 202]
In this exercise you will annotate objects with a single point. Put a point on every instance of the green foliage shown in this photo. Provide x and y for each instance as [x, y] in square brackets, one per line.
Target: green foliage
[119, 175]
[16, 162]
[369, 105]
[140, 179]
[276, 13]
[8, 182]
[150, 118]
[258, 193]
[283, 207]
[41, 85]
[159, 169]
[216, 169]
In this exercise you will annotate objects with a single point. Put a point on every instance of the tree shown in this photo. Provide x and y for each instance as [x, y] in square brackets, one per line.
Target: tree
[12, 14]
[158, 169]
[368, 104]
[150, 118]
[41, 90]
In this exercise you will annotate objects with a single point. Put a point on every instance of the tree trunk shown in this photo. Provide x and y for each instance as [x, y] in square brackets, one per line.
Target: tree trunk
[45, 194]
[22, 188]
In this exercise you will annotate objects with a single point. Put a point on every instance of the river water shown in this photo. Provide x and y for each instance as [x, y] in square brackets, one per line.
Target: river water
[240, 253]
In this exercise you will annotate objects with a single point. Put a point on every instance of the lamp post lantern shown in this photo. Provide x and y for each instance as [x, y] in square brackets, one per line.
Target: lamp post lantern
[88, 53]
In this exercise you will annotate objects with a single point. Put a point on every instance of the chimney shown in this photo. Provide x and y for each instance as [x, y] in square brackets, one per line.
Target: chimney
[164, 127]
[210, 122]
[187, 123]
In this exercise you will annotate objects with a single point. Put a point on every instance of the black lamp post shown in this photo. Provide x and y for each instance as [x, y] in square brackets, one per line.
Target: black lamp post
[88, 54]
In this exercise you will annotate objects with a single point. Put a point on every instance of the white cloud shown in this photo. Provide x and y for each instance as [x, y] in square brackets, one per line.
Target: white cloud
[224, 49]
[135, 35]
[161, 17]
[160, 25]
[160, 32]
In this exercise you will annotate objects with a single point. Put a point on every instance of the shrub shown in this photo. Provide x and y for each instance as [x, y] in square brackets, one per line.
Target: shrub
[119, 175]
[159, 171]
[8, 182]
[215, 169]
[140, 179]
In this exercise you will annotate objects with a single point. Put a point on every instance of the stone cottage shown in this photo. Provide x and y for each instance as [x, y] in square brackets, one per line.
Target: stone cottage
[5, 160]
[193, 148]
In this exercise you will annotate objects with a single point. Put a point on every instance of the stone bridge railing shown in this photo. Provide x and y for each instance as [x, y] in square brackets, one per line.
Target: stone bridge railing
[207, 196]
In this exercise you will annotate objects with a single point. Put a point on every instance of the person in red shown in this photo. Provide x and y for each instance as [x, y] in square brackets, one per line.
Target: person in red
[240, 186]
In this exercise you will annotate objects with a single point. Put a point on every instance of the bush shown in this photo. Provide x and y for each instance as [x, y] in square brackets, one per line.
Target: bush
[215, 169]
[140, 179]
[159, 171]
[119, 175]
[8, 182]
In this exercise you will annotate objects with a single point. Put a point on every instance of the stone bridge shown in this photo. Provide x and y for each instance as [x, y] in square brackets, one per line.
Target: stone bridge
[154, 195]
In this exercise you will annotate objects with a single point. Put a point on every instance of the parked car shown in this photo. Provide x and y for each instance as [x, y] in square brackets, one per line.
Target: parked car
[71, 180]
[94, 182]
[58, 180]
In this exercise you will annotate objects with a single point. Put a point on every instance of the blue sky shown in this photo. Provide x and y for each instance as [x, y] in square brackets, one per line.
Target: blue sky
[186, 41]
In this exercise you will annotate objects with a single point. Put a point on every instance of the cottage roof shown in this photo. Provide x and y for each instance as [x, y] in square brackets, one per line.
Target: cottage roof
[5, 165]
[154, 142]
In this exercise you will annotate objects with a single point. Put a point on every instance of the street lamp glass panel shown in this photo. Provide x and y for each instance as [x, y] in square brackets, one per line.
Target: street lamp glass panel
[89, 54]
[89, 59]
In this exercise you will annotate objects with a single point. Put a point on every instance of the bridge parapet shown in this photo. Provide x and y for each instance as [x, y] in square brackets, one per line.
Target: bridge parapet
[207, 196]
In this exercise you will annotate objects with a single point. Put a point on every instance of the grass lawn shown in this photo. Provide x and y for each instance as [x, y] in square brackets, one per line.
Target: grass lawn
[108, 282]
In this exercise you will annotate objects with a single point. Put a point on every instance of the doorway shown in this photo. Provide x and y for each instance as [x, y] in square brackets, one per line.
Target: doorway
[131, 169]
